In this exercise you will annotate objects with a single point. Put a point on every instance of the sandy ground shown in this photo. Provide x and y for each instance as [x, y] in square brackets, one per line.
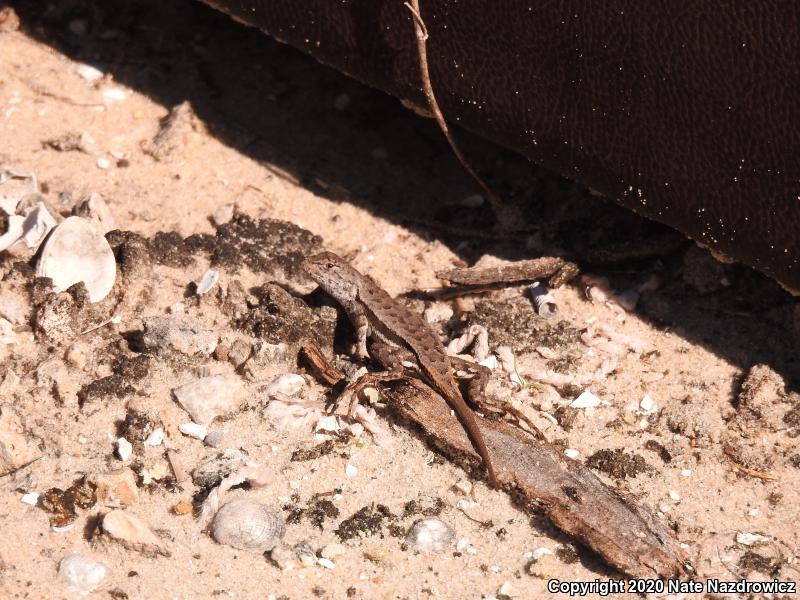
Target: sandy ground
[282, 138]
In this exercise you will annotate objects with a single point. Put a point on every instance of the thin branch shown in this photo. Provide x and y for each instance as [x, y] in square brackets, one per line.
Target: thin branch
[422, 50]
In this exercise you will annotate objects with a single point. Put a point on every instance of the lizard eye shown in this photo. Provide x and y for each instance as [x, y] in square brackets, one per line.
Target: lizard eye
[329, 265]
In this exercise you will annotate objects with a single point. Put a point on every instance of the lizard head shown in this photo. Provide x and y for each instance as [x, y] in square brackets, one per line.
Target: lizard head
[333, 274]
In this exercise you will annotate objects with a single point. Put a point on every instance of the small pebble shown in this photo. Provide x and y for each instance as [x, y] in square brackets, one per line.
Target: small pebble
[686, 472]
[572, 453]
[506, 589]
[88, 73]
[585, 400]
[675, 496]
[215, 438]
[223, 214]
[80, 573]
[351, 470]
[124, 449]
[647, 405]
[194, 430]
[155, 438]
[114, 94]
[207, 398]
[288, 384]
[31, 498]
[750, 539]
[207, 281]
[182, 508]
[103, 163]
[326, 563]
[540, 552]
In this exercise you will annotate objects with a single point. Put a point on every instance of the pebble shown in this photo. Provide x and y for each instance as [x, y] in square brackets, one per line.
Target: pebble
[207, 281]
[132, 533]
[17, 448]
[248, 525]
[751, 539]
[289, 384]
[210, 397]
[178, 333]
[674, 496]
[88, 73]
[430, 536]
[75, 252]
[647, 405]
[223, 214]
[103, 163]
[215, 438]
[545, 567]
[31, 498]
[80, 573]
[124, 449]
[586, 400]
[194, 430]
[155, 438]
[116, 488]
[326, 563]
[351, 470]
[572, 453]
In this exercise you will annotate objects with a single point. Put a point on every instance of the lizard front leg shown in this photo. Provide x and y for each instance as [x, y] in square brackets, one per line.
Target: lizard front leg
[391, 359]
[361, 323]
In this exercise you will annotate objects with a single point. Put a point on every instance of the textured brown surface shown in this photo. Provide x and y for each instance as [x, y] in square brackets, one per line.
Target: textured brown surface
[684, 114]
[627, 536]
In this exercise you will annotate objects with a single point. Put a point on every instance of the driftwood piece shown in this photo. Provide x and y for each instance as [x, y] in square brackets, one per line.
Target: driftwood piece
[559, 271]
[625, 535]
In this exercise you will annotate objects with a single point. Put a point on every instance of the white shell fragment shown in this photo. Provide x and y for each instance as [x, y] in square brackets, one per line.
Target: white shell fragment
[95, 207]
[210, 397]
[194, 430]
[430, 536]
[80, 573]
[76, 252]
[207, 281]
[586, 400]
[751, 539]
[248, 525]
[572, 453]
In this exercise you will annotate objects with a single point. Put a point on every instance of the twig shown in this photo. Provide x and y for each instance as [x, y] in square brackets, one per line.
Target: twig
[422, 50]
[523, 270]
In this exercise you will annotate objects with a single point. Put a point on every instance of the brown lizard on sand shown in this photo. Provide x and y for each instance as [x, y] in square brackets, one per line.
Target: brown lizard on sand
[376, 314]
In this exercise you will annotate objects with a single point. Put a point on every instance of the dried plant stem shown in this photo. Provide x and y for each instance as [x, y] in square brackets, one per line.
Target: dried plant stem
[500, 209]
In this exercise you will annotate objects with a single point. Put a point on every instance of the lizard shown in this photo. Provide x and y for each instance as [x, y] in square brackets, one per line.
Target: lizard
[375, 314]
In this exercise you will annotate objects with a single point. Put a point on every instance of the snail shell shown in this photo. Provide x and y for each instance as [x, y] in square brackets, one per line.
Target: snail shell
[248, 525]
